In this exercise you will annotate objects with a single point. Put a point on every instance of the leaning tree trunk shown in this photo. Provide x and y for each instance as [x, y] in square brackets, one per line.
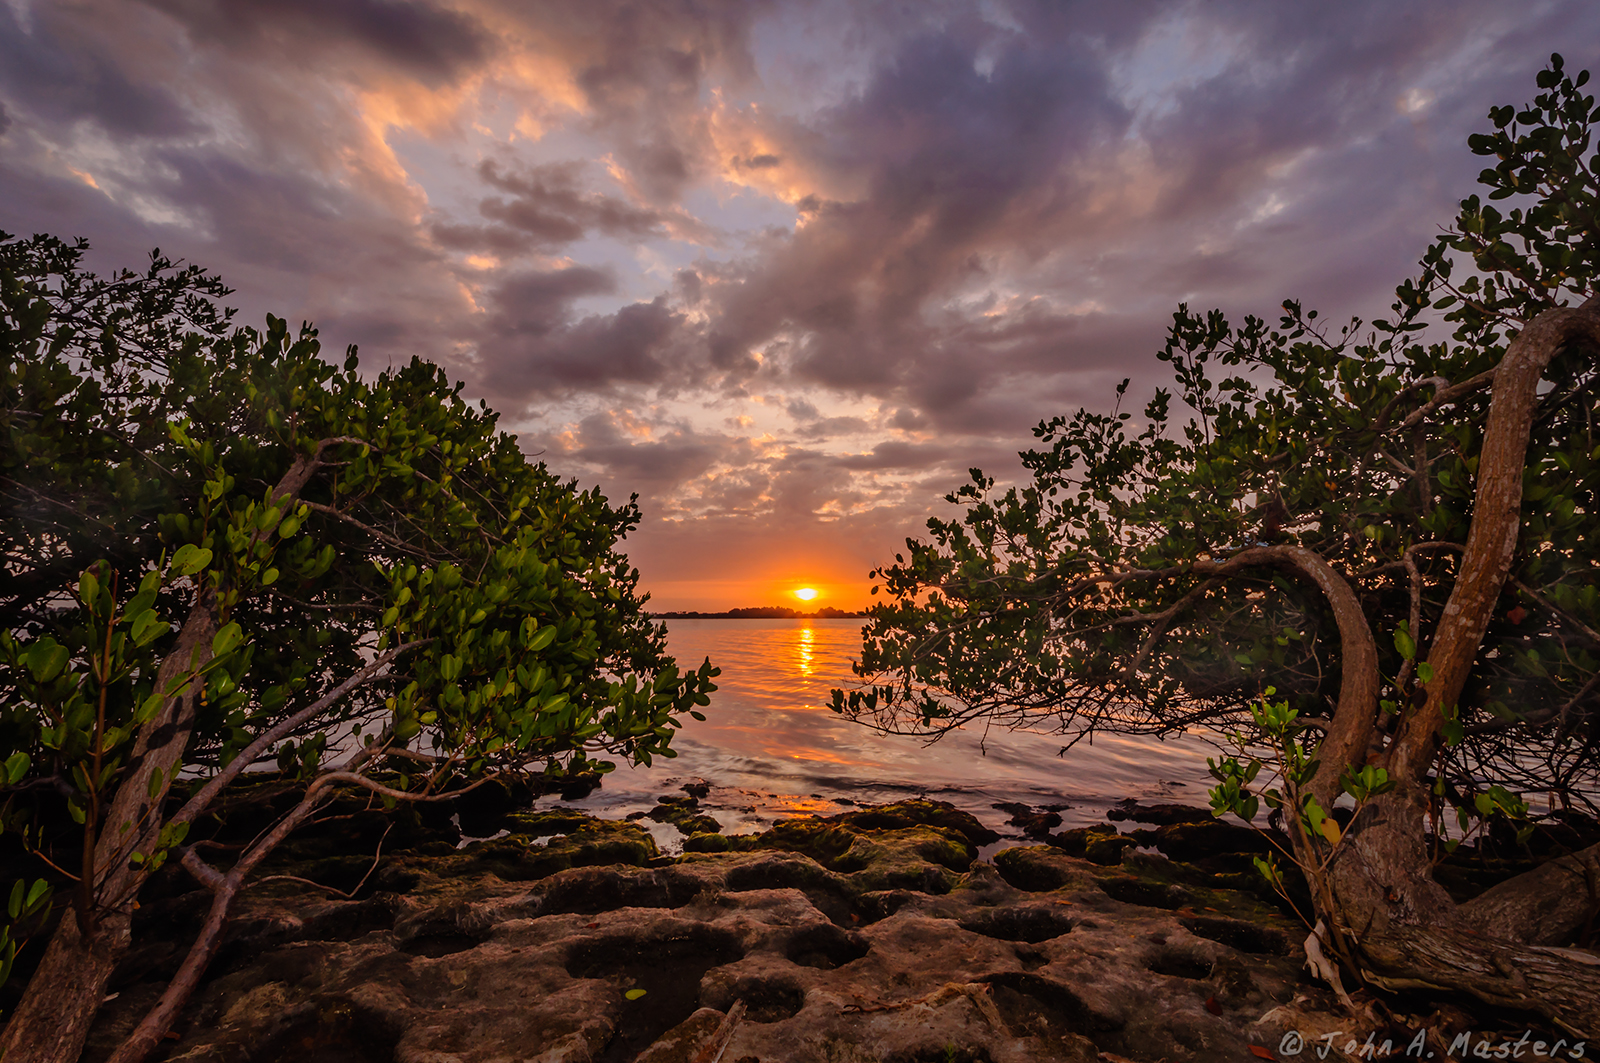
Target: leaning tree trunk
[52, 1020]
[1400, 926]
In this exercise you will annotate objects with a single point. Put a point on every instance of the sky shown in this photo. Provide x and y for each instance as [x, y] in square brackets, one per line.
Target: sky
[785, 269]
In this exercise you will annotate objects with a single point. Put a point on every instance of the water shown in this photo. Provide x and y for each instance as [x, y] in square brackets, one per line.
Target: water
[771, 748]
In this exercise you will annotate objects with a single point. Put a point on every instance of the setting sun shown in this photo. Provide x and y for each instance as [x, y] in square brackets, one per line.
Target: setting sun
[805, 594]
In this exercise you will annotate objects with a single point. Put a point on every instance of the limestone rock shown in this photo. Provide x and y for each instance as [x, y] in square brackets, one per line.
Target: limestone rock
[876, 935]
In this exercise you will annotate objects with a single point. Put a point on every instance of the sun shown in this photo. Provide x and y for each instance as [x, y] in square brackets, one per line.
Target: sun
[805, 594]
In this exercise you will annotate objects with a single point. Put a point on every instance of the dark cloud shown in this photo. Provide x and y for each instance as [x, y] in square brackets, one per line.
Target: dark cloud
[533, 345]
[431, 43]
[546, 207]
[895, 455]
[59, 72]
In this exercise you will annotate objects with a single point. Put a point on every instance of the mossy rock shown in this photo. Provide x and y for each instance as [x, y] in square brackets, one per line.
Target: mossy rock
[598, 842]
[1101, 845]
[919, 857]
[1042, 868]
[706, 842]
[922, 858]
[684, 813]
[918, 812]
[1204, 840]
[544, 823]
[825, 842]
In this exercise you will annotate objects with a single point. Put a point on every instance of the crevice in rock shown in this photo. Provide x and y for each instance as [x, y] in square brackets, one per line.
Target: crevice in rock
[668, 969]
[1238, 934]
[1018, 924]
[1046, 1000]
[1146, 894]
[1179, 965]
[767, 998]
[941, 1054]
[433, 946]
[829, 897]
[335, 1033]
[825, 946]
[881, 904]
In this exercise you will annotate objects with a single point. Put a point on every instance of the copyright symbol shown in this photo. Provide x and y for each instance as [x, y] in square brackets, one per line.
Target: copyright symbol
[1291, 1044]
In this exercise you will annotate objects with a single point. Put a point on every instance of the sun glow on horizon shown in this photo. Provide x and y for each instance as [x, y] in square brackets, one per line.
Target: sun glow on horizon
[805, 594]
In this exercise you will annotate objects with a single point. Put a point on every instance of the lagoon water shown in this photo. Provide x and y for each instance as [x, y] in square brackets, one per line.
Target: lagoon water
[771, 748]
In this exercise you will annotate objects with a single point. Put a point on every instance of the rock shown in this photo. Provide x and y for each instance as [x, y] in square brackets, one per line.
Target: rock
[919, 812]
[682, 1043]
[1204, 839]
[598, 841]
[842, 939]
[1102, 845]
[684, 813]
[1035, 823]
[1160, 815]
[545, 823]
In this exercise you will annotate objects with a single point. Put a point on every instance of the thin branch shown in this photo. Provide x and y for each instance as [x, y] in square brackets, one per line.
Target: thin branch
[202, 800]
[337, 514]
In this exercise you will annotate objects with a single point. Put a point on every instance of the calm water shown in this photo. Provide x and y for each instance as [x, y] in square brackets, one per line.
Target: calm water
[771, 748]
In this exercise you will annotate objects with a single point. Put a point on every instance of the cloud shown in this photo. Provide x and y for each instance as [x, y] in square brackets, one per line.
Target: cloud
[534, 344]
[65, 76]
[546, 207]
[783, 267]
[432, 43]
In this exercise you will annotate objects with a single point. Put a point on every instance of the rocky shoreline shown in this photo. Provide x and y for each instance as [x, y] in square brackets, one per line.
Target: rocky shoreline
[875, 935]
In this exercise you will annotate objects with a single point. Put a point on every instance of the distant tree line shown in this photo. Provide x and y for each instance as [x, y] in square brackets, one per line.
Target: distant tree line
[761, 612]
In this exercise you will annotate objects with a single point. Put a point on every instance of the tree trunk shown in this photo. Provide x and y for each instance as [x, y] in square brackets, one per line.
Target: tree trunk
[1401, 928]
[1561, 984]
[64, 994]
[53, 1017]
[52, 1020]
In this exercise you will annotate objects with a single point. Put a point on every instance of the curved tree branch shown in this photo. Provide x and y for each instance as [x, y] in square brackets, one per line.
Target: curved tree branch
[1496, 523]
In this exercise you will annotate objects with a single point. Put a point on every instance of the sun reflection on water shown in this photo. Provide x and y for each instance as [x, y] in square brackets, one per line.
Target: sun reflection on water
[805, 650]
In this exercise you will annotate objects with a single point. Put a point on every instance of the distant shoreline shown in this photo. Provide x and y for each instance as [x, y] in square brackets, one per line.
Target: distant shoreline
[764, 612]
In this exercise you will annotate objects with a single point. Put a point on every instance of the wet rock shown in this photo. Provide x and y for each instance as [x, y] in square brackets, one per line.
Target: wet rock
[1098, 844]
[596, 842]
[684, 813]
[1159, 815]
[919, 812]
[547, 822]
[1034, 822]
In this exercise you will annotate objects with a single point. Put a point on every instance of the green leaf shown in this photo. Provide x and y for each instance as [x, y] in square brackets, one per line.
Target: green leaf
[227, 639]
[46, 658]
[1405, 643]
[38, 893]
[190, 559]
[17, 765]
[148, 626]
[634, 994]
